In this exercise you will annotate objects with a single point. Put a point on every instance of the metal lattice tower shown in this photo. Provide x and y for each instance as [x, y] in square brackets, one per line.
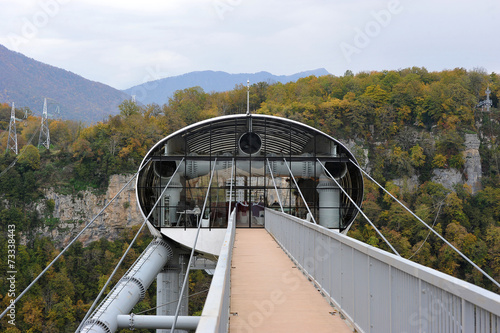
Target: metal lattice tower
[44, 138]
[486, 105]
[12, 140]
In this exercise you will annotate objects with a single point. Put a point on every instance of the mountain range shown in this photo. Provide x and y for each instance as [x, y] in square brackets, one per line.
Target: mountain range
[27, 82]
[159, 91]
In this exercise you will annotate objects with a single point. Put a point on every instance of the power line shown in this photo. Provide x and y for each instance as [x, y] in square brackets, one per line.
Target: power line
[429, 233]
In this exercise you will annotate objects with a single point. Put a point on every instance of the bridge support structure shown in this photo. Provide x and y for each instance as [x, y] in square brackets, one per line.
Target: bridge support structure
[130, 289]
[168, 288]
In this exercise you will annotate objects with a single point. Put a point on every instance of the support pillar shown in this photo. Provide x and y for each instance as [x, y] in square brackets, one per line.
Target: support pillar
[173, 193]
[329, 202]
[168, 287]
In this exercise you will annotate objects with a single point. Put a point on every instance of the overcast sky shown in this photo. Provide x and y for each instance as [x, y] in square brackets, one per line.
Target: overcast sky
[127, 42]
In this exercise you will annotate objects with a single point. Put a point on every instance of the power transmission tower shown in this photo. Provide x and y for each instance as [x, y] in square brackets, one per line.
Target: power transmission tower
[12, 140]
[486, 105]
[44, 138]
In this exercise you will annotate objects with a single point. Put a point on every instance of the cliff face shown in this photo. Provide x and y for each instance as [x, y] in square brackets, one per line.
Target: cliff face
[472, 168]
[72, 213]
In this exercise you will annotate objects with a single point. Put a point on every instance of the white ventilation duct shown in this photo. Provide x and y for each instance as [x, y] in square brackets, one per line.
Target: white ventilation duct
[130, 289]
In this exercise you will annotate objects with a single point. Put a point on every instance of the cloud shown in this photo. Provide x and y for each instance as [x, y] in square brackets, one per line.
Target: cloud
[118, 42]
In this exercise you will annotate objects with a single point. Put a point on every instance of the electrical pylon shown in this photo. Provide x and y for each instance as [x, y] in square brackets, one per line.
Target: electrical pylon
[12, 140]
[44, 138]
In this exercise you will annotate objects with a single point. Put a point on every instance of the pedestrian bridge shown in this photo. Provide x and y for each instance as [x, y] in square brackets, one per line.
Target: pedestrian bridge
[373, 290]
[212, 191]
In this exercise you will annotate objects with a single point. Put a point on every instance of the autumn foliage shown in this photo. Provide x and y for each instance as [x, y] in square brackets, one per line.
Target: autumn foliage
[401, 125]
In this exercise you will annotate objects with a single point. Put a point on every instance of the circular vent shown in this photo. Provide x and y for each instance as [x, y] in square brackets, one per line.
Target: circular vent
[250, 143]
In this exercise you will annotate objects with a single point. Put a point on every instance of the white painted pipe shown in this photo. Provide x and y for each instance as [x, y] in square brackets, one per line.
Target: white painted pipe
[329, 193]
[157, 322]
[329, 202]
[130, 289]
[174, 193]
[305, 169]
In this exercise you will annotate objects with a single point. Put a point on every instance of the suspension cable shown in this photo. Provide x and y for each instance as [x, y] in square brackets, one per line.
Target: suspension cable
[126, 251]
[431, 229]
[275, 187]
[70, 243]
[359, 209]
[186, 277]
[300, 192]
[109, 279]
[233, 179]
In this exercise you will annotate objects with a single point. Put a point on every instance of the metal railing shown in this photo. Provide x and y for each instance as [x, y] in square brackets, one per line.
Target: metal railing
[380, 292]
[215, 315]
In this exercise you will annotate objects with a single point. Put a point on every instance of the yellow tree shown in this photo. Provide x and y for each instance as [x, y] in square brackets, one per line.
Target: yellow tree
[59, 134]
[29, 157]
[417, 156]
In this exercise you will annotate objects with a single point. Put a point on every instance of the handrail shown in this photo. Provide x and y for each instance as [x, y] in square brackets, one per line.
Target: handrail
[215, 315]
[430, 229]
[378, 291]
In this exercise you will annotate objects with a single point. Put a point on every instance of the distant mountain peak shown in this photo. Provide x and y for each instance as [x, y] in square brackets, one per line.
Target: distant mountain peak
[159, 91]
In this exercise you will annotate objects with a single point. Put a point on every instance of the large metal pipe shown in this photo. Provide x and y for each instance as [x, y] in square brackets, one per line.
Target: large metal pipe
[329, 202]
[130, 289]
[173, 193]
[157, 322]
[306, 169]
[329, 193]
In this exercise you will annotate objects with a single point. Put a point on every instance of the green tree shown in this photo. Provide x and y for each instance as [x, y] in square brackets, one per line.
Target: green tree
[129, 108]
[29, 157]
[188, 103]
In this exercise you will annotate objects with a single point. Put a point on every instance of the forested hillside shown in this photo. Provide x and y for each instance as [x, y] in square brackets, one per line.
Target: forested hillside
[402, 125]
[27, 81]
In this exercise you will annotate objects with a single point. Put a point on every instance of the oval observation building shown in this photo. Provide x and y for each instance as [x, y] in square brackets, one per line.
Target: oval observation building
[248, 163]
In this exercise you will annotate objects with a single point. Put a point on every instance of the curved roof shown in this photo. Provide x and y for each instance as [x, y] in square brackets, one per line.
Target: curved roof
[219, 135]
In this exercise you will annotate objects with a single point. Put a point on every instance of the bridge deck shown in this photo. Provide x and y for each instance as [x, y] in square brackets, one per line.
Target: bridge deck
[268, 294]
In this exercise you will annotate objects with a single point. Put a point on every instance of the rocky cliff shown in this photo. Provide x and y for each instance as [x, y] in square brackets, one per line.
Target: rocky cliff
[72, 213]
[472, 168]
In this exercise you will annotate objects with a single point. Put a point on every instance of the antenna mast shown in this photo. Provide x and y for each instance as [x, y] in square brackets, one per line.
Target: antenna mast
[44, 138]
[12, 140]
[248, 97]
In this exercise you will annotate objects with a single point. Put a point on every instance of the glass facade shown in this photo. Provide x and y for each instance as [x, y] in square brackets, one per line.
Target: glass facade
[248, 162]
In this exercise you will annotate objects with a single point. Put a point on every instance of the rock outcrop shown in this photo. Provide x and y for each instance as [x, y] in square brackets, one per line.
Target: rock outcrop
[472, 167]
[73, 213]
[447, 177]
